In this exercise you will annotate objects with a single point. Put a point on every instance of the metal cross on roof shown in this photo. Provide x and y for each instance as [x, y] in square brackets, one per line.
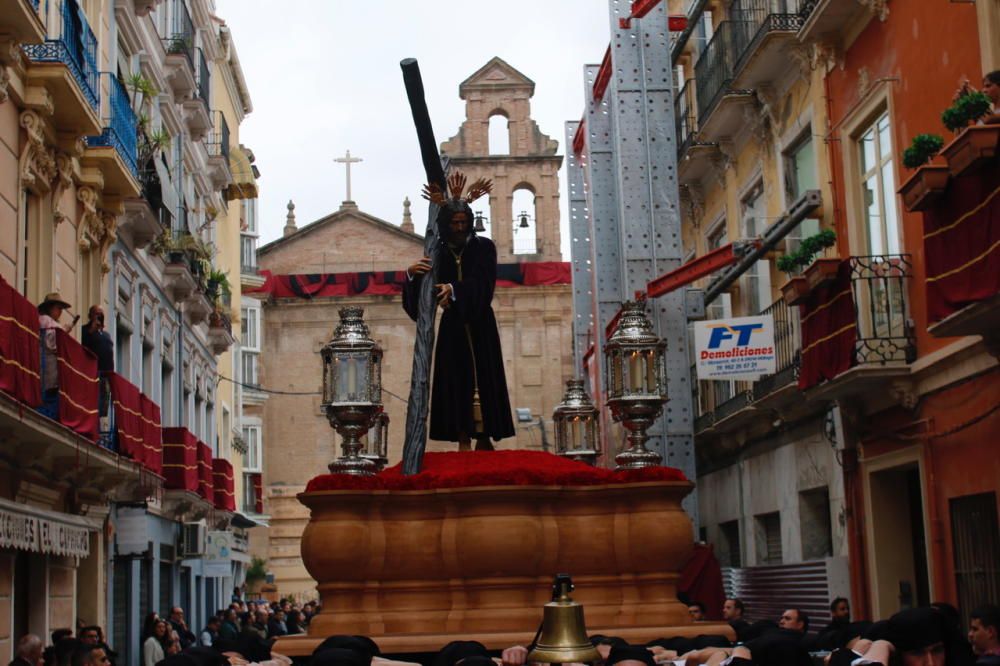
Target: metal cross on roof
[348, 161]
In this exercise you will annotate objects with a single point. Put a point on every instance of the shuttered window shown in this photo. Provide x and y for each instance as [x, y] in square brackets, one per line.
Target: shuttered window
[976, 546]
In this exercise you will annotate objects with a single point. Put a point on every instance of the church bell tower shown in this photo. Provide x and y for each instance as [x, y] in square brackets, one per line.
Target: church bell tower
[524, 168]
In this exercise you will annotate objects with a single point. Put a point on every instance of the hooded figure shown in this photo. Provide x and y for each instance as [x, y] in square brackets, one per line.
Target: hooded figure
[469, 397]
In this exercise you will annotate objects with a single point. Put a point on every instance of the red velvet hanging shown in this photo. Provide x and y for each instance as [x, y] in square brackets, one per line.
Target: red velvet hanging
[127, 403]
[152, 435]
[258, 492]
[962, 244]
[205, 484]
[224, 484]
[701, 580]
[829, 330]
[79, 389]
[493, 468]
[20, 352]
[180, 460]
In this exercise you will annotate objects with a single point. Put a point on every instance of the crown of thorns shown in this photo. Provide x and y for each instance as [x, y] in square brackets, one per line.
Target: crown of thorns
[456, 186]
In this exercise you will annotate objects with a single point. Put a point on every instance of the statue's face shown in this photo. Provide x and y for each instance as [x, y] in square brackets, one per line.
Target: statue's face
[459, 227]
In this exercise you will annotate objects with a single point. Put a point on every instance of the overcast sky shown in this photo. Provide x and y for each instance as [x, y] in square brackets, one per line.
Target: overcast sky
[324, 77]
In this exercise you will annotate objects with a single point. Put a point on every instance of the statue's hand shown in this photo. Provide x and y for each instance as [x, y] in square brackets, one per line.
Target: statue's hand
[420, 267]
[444, 296]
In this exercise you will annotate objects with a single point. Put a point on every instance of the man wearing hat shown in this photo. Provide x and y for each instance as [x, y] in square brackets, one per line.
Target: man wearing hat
[49, 312]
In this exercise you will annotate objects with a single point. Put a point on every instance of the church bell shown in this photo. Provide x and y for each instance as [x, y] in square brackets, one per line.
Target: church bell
[563, 636]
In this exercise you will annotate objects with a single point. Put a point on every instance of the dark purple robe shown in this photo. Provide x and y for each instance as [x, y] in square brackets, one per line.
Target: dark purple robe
[453, 382]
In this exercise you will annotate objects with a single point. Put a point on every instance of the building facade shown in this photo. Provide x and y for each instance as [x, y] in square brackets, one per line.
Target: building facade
[126, 191]
[870, 445]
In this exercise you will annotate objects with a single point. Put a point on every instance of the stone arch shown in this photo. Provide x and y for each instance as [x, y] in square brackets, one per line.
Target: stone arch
[498, 133]
[524, 213]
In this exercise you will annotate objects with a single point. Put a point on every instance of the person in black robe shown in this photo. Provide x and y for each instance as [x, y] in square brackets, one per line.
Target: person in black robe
[469, 398]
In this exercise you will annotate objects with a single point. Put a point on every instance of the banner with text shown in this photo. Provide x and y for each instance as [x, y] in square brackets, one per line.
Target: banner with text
[735, 348]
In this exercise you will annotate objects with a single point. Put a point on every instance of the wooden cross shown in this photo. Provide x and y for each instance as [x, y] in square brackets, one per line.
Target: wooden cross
[348, 161]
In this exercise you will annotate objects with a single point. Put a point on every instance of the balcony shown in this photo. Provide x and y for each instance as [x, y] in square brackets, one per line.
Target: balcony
[178, 278]
[66, 65]
[146, 215]
[22, 20]
[220, 333]
[753, 406]
[720, 104]
[197, 307]
[218, 152]
[196, 109]
[882, 347]
[180, 57]
[826, 19]
[114, 150]
[761, 39]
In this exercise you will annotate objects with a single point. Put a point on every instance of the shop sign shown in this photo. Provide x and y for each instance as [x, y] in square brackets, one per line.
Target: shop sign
[40, 535]
[218, 553]
[735, 348]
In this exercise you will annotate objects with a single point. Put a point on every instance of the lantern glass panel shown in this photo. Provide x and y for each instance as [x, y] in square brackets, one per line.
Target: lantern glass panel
[351, 377]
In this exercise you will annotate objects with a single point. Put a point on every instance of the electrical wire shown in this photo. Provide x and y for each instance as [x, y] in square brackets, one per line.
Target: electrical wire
[261, 389]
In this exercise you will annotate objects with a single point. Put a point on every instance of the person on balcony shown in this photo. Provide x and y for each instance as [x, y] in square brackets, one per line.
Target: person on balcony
[50, 310]
[97, 340]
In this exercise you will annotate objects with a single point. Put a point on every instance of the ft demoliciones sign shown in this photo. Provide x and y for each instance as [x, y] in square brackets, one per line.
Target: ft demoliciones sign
[735, 348]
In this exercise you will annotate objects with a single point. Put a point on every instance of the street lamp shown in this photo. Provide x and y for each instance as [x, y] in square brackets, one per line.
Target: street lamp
[636, 382]
[575, 421]
[352, 388]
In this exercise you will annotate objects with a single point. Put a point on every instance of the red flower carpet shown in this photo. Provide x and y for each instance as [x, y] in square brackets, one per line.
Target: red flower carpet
[492, 468]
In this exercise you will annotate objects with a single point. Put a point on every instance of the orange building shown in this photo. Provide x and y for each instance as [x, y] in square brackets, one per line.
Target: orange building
[921, 469]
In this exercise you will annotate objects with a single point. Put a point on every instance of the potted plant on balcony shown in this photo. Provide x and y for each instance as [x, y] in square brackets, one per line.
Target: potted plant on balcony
[973, 145]
[179, 44]
[817, 271]
[929, 181]
[218, 285]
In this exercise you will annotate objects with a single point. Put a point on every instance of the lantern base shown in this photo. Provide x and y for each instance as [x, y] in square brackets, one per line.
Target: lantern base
[355, 465]
[587, 456]
[637, 458]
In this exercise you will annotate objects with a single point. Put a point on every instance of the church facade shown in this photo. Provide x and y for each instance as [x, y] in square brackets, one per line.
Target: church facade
[352, 258]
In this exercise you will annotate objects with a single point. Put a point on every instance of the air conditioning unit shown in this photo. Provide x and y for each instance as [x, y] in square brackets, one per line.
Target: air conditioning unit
[193, 539]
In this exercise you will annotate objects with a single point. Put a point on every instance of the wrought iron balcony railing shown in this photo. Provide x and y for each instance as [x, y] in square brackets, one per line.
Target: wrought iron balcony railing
[787, 348]
[755, 19]
[218, 141]
[181, 39]
[714, 70]
[684, 116]
[120, 125]
[879, 284]
[203, 78]
[75, 46]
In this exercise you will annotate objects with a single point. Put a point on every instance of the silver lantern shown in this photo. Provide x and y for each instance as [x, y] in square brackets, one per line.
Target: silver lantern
[377, 446]
[636, 382]
[352, 388]
[575, 421]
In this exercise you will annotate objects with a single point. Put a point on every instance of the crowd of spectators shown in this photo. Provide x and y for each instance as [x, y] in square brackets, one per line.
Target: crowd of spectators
[244, 634]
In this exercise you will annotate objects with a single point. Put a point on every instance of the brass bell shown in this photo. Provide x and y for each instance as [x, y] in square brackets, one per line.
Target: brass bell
[563, 636]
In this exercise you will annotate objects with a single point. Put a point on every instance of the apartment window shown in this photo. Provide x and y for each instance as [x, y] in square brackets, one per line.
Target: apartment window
[250, 216]
[123, 350]
[768, 538]
[25, 258]
[729, 544]
[800, 176]
[814, 519]
[147, 366]
[720, 308]
[249, 369]
[757, 279]
[225, 437]
[250, 334]
[252, 457]
[976, 544]
[248, 254]
[877, 187]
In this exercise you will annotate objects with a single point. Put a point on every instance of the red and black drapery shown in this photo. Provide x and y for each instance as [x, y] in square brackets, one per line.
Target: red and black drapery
[20, 357]
[258, 492]
[180, 460]
[79, 387]
[962, 244]
[829, 330]
[224, 484]
[206, 486]
[137, 421]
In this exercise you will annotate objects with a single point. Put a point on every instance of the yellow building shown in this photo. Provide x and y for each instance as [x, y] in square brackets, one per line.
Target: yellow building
[123, 185]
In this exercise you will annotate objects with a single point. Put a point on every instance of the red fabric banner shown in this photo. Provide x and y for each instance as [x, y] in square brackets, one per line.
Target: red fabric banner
[962, 244]
[258, 492]
[79, 388]
[152, 435]
[701, 580]
[390, 283]
[205, 481]
[829, 330]
[20, 350]
[180, 460]
[127, 403]
[224, 484]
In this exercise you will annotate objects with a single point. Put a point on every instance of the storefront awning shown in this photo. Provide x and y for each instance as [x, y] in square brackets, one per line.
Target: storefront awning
[36, 530]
